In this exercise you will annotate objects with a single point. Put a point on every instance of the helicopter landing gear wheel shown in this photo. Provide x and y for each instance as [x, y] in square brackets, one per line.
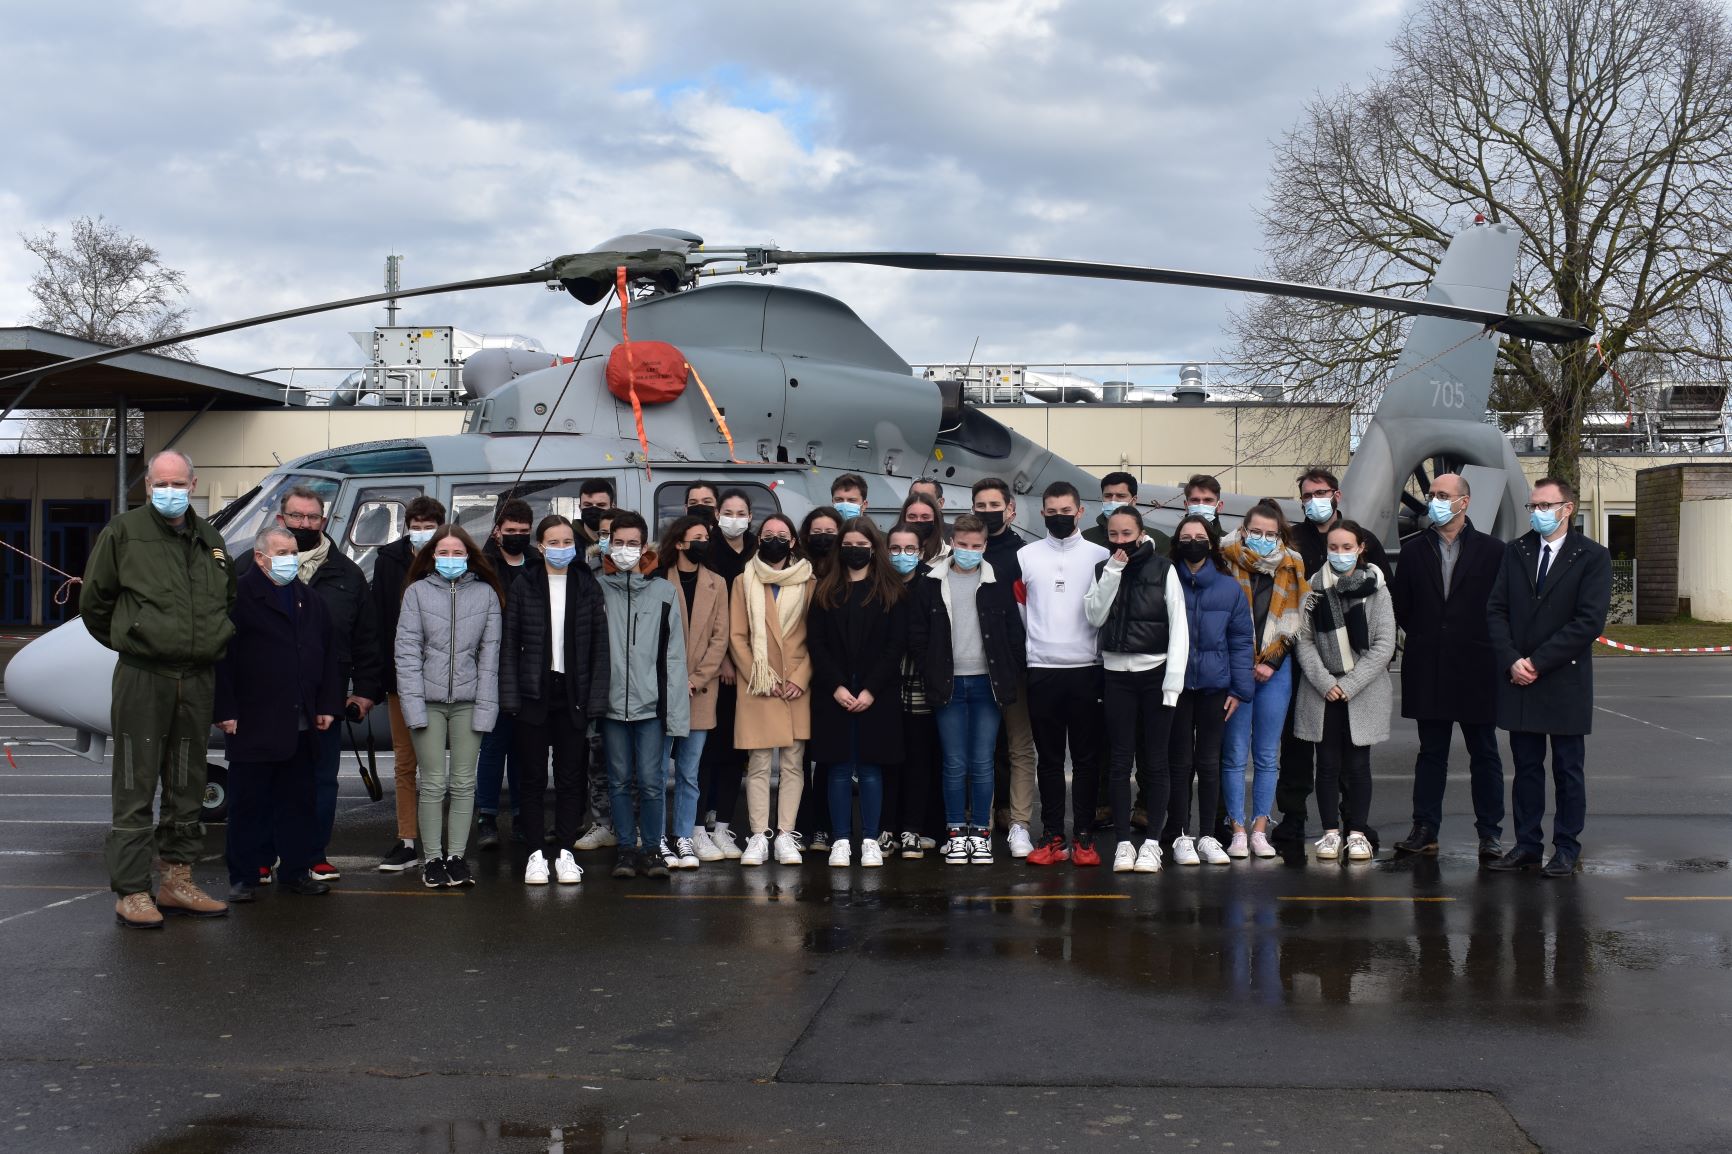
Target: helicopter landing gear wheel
[216, 794]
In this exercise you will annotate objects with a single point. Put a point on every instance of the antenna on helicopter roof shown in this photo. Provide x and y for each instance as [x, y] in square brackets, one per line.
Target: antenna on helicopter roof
[393, 282]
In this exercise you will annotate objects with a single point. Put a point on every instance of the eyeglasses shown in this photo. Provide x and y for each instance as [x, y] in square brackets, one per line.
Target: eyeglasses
[1262, 535]
[905, 550]
[1316, 493]
[306, 519]
[1436, 496]
[1544, 506]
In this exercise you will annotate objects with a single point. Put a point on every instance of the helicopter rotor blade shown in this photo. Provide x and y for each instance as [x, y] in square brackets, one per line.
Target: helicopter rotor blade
[1547, 330]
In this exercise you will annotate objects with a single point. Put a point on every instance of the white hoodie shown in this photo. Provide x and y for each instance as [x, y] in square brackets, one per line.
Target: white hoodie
[1056, 575]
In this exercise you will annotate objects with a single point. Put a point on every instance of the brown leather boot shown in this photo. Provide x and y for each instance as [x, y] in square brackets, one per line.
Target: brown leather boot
[137, 912]
[178, 895]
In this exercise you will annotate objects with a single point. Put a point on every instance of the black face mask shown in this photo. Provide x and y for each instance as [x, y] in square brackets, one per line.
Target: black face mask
[514, 543]
[696, 551]
[993, 519]
[774, 549]
[821, 544]
[1060, 525]
[306, 540]
[704, 513]
[1191, 551]
[856, 556]
[923, 529]
[591, 517]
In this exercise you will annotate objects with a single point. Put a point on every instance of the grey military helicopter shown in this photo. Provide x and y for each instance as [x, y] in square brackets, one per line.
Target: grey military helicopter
[792, 390]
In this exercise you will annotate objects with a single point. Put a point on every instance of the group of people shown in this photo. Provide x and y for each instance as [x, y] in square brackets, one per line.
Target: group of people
[896, 693]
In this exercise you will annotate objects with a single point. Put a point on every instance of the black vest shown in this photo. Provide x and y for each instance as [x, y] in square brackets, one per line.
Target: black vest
[1137, 622]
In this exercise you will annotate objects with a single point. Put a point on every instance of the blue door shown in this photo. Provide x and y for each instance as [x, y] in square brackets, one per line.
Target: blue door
[15, 572]
[69, 529]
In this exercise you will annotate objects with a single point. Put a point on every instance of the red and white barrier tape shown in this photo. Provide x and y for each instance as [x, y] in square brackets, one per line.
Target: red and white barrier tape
[1645, 649]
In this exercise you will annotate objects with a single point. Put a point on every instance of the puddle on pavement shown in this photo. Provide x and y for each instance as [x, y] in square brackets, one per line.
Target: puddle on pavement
[590, 1135]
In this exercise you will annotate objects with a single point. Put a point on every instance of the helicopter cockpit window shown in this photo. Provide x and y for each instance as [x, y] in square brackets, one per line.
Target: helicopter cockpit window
[671, 500]
[475, 506]
[379, 519]
[390, 457]
[242, 526]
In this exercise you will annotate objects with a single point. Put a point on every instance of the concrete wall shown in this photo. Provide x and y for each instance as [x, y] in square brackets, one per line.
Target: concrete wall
[1705, 558]
[1684, 541]
[1659, 496]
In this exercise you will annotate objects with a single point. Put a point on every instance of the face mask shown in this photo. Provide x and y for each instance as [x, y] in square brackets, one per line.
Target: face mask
[625, 557]
[1200, 511]
[1262, 546]
[775, 549]
[283, 569]
[704, 513]
[697, 551]
[418, 538]
[1060, 525]
[602, 543]
[967, 559]
[1544, 521]
[856, 556]
[451, 568]
[733, 528]
[904, 563]
[306, 540]
[848, 509]
[1343, 562]
[591, 517]
[1108, 508]
[1192, 551]
[1441, 510]
[923, 529]
[821, 544]
[993, 520]
[169, 502]
[514, 543]
[560, 556]
[1319, 509]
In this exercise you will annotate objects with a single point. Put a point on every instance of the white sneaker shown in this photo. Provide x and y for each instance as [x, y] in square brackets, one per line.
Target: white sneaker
[927, 843]
[1020, 844]
[1240, 846]
[757, 849]
[565, 868]
[686, 853]
[670, 856]
[871, 854]
[1210, 850]
[788, 849]
[1358, 847]
[1329, 846]
[1260, 846]
[956, 848]
[1185, 852]
[1149, 857]
[1125, 858]
[980, 847]
[704, 847]
[598, 837]
[724, 839]
[840, 854]
[535, 873]
[887, 843]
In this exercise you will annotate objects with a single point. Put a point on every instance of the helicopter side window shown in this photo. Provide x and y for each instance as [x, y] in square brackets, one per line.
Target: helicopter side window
[241, 526]
[670, 500]
[379, 518]
[474, 507]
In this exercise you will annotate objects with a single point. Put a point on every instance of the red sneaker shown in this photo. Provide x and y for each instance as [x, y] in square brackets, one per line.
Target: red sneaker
[1052, 851]
[264, 875]
[326, 872]
[1085, 854]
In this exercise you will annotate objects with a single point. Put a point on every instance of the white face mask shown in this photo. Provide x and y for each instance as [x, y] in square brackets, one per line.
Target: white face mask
[733, 528]
[625, 557]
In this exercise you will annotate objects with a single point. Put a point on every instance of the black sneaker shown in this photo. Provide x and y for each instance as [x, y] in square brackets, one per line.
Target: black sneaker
[403, 856]
[820, 842]
[625, 864]
[487, 832]
[457, 873]
[433, 874]
[655, 866]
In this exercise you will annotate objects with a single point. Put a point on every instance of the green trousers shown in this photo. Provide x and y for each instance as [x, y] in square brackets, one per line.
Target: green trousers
[161, 732]
[436, 780]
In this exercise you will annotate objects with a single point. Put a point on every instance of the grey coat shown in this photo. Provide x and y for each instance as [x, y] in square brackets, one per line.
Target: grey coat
[448, 648]
[646, 649]
[1369, 696]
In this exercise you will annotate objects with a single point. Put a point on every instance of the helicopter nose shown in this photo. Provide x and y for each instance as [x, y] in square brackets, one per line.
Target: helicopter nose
[65, 677]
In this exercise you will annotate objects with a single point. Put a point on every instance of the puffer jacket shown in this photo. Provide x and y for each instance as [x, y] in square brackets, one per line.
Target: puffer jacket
[159, 595]
[646, 645]
[448, 648]
[1220, 623]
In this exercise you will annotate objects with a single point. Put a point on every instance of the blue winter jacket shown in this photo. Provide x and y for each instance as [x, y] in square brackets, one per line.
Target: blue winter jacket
[1222, 642]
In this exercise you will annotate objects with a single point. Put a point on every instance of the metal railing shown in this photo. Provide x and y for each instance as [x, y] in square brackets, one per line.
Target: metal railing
[407, 386]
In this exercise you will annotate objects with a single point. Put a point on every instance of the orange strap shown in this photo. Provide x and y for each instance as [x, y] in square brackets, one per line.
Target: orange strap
[630, 368]
[721, 421]
[1629, 401]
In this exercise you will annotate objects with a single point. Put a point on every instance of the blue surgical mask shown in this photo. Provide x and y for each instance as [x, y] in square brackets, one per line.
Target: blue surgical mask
[1544, 521]
[418, 538]
[451, 568]
[1200, 511]
[560, 556]
[967, 559]
[1108, 508]
[170, 502]
[1319, 509]
[1343, 562]
[848, 509]
[604, 543]
[904, 563]
[1441, 510]
[284, 568]
[1262, 546]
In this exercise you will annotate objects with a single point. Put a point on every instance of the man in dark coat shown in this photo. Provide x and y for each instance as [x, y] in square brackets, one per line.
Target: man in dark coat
[1548, 605]
[1448, 669]
[277, 690]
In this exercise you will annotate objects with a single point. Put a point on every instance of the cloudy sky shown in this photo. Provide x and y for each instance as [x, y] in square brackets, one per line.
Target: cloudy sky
[277, 151]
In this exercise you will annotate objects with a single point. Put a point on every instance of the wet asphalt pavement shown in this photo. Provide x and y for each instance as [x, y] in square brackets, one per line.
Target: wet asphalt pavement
[1287, 1006]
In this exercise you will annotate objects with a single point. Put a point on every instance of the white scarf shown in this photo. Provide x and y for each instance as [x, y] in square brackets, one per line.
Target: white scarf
[310, 562]
[790, 605]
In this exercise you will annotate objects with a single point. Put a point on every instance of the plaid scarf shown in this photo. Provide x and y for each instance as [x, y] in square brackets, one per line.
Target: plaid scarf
[1286, 598]
[1338, 621]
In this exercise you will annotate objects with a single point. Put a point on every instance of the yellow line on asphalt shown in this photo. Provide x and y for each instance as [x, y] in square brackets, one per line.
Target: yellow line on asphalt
[1681, 898]
[1321, 898]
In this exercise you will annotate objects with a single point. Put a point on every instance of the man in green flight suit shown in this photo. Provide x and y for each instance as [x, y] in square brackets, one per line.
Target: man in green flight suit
[158, 591]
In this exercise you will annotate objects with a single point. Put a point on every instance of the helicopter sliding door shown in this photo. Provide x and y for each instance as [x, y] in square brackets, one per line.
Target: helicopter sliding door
[371, 517]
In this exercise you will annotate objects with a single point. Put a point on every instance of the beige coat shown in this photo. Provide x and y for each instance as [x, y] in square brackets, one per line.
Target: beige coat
[770, 722]
[706, 640]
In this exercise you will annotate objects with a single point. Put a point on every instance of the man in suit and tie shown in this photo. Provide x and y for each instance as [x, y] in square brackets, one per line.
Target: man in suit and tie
[1547, 606]
[1448, 668]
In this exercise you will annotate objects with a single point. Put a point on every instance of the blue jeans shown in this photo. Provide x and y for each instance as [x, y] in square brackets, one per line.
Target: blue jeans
[327, 761]
[497, 763]
[1254, 734]
[634, 757]
[687, 752]
[968, 731]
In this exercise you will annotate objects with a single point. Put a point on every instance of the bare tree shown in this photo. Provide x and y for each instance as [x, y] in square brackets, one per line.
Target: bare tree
[100, 284]
[1600, 130]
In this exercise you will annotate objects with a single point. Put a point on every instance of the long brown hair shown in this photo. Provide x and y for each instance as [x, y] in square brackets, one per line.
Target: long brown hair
[883, 584]
[934, 541]
[477, 560]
